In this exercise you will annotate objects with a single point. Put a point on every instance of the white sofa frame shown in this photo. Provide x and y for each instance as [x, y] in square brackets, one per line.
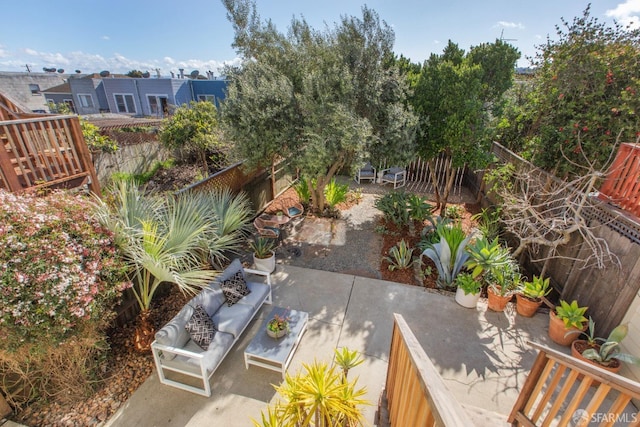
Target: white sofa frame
[202, 375]
[371, 173]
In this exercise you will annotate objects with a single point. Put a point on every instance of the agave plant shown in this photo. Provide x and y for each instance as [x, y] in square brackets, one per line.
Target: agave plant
[400, 256]
[449, 253]
[610, 348]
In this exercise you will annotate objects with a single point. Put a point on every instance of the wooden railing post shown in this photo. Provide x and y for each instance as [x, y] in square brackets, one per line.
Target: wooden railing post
[85, 155]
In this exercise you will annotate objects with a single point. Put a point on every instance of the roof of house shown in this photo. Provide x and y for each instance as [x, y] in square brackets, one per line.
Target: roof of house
[63, 88]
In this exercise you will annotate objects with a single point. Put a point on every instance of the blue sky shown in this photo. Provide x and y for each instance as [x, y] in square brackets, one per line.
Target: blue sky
[119, 35]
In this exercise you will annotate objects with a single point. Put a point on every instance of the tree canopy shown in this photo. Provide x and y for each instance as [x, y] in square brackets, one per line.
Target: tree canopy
[454, 96]
[582, 98]
[326, 100]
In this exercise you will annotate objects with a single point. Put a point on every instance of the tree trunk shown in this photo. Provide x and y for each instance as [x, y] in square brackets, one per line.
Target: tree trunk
[450, 176]
[435, 183]
[144, 332]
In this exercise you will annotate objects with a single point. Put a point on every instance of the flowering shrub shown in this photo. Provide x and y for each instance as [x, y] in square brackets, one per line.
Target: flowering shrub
[59, 268]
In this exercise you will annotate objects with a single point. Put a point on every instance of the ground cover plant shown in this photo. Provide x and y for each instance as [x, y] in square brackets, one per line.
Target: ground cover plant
[61, 276]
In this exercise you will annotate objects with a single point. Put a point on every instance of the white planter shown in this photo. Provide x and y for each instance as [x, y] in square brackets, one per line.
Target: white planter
[468, 300]
[265, 264]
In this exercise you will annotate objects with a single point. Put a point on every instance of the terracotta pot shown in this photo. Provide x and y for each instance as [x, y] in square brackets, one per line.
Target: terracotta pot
[497, 302]
[467, 300]
[559, 333]
[578, 346]
[526, 307]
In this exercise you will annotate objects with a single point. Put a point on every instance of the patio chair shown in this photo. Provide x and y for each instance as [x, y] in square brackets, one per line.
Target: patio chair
[395, 175]
[367, 172]
[267, 229]
[294, 210]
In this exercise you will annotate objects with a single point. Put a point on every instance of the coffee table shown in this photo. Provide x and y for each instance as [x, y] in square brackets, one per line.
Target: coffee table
[276, 353]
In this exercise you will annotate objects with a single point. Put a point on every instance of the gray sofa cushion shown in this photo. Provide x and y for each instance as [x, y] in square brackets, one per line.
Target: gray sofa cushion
[259, 292]
[210, 298]
[174, 334]
[232, 320]
[212, 357]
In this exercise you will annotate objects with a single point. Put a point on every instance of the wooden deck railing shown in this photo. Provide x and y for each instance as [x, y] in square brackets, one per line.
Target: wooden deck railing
[45, 152]
[416, 394]
[566, 391]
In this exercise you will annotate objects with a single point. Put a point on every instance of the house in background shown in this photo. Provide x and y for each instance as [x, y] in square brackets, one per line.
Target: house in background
[26, 89]
[60, 94]
[138, 97]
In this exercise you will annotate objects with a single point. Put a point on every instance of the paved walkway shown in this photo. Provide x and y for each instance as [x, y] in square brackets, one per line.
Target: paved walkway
[482, 356]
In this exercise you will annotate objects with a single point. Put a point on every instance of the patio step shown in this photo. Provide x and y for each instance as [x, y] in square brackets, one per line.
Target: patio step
[484, 418]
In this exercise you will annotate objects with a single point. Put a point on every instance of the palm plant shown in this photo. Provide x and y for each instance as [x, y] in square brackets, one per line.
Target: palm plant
[164, 239]
[449, 253]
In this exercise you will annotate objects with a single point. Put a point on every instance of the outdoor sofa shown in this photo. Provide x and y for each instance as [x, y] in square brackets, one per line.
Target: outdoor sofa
[197, 353]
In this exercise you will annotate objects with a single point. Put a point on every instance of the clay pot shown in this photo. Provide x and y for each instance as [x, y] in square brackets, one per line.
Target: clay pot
[578, 346]
[527, 307]
[558, 332]
[497, 302]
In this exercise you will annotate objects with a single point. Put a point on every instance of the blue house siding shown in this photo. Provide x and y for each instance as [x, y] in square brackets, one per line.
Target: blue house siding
[84, 87]
[217, 88]
[126, 89]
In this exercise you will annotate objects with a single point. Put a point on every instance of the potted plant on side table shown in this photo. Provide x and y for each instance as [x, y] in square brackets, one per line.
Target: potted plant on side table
[603, 352]
[264, 256]
[278, 326]
[566, 321]
[530, 294]
[468, 290]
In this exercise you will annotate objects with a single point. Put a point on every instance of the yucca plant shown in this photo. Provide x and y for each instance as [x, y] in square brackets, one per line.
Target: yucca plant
[400, 256]
[303, 191]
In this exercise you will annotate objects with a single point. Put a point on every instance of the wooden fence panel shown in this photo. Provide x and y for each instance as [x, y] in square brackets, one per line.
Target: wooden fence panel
[608, 292]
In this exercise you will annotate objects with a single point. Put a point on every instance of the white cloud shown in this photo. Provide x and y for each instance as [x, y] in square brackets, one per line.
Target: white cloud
[436, 42]
[626, 13]
[506, 24]
[538, 37]
[117, 63]
[105, 38]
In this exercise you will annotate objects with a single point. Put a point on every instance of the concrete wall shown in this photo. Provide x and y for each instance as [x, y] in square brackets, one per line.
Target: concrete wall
[16, 86]
[137, 158]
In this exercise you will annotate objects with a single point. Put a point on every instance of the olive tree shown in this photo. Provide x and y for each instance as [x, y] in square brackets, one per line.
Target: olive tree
[323, 100]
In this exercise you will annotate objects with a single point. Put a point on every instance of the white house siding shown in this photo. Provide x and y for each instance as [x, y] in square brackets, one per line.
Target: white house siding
[16, 86]
[631, 343]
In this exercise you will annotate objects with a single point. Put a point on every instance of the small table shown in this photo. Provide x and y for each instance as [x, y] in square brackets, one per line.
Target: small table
[276, 219]
[276, 353]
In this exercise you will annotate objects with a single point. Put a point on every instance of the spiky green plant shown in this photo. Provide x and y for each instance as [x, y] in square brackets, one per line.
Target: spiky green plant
[449, 253]
[400, 256]
[335, 193]
[610, 348]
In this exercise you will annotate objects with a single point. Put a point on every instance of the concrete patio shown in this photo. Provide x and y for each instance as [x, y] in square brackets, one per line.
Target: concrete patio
[482, 355]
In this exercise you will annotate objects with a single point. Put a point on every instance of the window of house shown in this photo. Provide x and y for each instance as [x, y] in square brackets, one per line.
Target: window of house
[124, 103]
[210, 98]
[157, 104]
[85, 100]
[35, 89]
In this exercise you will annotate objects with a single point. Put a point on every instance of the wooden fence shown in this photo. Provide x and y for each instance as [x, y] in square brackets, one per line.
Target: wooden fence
[415, 393]
[561, 390]
[48, 151]
[608, 292]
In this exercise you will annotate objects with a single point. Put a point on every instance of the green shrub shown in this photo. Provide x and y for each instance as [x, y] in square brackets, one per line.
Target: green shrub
[144, 177]
[394, 208]
[61, 278]
[303, 191]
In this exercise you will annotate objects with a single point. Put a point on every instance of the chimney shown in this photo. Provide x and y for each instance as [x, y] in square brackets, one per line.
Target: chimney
[181, 72]
[173, 75]
[158, 73]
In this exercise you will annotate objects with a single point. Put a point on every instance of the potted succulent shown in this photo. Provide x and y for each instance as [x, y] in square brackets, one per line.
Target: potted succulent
[530, 294]
[565, 321]
[468, 290]
[503, 281]
[603, 352]
[278, 326]
[264, 256]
